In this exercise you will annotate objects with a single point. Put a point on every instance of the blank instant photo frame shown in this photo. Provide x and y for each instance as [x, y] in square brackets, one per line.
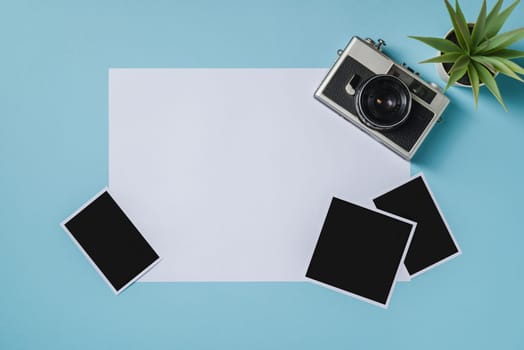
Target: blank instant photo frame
[433, 243]
[359, 251]
[110, 241]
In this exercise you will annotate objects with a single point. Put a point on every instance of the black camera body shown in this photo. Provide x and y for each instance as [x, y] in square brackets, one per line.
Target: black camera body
[388, 101]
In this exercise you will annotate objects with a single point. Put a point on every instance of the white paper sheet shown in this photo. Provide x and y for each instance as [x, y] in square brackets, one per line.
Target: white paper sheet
[229, 172]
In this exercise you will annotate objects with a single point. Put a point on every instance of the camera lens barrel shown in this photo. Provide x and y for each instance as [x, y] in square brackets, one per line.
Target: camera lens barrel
[383, 102]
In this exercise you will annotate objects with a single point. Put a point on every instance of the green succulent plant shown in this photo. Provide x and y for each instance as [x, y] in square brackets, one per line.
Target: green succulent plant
[479, 51]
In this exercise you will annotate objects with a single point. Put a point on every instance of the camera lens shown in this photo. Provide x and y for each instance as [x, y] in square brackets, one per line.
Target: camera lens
[383, 102]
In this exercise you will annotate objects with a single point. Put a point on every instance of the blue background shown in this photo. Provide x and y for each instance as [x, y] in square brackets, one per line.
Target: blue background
[53, 156]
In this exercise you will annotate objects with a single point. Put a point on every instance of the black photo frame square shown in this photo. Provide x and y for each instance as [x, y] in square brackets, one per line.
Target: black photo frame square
[110, 241]
[433, 242]
[359, 251]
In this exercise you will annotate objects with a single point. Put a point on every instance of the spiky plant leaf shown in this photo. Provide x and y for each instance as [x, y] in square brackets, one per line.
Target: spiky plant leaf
[480, 26]
[485, 63]
[492, 15]
[463, 26]
[443, 45]
[513, 66]
[459, 64]
[500, 41]
[507, 53]
[495, 24]
[486, 77]
[454, 21]
[474, 80]
[444, 58]
[457, 71]
[498, 65]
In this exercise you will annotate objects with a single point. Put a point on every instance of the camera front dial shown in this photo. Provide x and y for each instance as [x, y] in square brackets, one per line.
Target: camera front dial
[383, 102]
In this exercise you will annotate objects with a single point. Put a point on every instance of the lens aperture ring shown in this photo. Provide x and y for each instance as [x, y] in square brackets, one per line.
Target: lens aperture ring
[383, 102]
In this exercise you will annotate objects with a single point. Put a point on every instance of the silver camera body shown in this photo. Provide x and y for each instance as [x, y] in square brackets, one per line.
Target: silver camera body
[388, 101]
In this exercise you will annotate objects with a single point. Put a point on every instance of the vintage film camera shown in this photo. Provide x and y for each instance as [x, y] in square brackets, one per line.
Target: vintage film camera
[388, 101]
